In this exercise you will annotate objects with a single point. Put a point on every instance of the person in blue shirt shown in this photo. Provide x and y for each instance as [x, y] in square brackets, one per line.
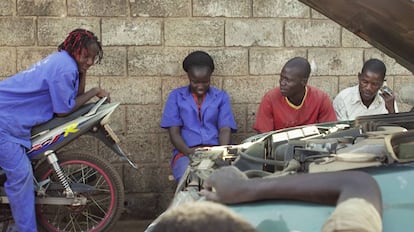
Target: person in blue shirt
[55, 86]
[197, 115]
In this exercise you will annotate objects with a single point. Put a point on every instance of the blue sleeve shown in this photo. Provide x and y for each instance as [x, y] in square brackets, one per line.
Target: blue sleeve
[171, 115]
[63, 90]
[226, 117]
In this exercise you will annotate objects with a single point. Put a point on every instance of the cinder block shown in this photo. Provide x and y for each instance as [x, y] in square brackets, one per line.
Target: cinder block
[347, 81]
[91, 82]
[146, 206]
[130, 90]
[52, 31]
[143, 119]
[118, 119]
[149, 178]
[126, 31]
[194, 32]
[404, 102]
[7, 61]
[280, 8]
[335, 61]
[114, 63]
[393, 68]
[27, 56]
[248, 89]
[271, 61]
[312, 33]
[170, 83]
[254, 32]
[349, 39]
[97, 8]
[160, 8]
[316, 15]
[230, 61]
[402, 81]
[328, 84]
[240, 115]
[155, 61]
[7, 7]
[251, 116]
[143, 147]
[226, 8]
[17, 31]
[41, 7]
[166, 147]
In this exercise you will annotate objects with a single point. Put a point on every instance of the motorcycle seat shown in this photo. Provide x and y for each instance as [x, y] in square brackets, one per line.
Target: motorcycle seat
[57, 121]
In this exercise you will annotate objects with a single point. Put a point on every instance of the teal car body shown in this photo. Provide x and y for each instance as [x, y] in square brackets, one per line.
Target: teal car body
[397, 188]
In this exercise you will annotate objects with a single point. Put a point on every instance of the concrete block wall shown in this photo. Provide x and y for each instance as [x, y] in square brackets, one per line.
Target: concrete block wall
[144, 43]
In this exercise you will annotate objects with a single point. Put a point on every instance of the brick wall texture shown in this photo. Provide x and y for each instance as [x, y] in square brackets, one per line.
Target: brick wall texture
[144, 43]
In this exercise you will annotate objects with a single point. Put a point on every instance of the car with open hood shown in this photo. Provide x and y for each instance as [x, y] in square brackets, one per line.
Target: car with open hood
[381, 145]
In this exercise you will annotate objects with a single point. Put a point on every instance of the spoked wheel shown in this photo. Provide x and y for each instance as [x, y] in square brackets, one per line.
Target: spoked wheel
[90, 177]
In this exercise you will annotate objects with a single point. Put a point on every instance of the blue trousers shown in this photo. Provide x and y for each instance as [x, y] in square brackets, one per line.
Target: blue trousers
[179, 166]
[19, 185]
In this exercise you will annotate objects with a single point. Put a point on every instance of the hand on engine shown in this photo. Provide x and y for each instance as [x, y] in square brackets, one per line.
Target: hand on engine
[225, 185]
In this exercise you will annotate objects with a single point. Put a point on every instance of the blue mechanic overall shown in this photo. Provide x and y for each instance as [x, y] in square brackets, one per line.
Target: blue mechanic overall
[182, 110]
[29, 98]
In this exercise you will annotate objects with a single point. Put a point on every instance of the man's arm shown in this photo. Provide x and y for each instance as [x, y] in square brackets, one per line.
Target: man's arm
[177, 140]
[326, 188]
[225, 136]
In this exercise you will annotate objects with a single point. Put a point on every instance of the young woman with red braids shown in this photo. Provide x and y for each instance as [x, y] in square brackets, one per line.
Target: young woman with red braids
[53, 86]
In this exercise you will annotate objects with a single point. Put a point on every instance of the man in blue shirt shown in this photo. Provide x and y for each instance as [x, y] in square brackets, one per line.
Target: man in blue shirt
[197, 115]
[53, 86]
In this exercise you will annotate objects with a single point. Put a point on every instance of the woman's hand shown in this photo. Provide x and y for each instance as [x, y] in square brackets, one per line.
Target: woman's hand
[103, 93]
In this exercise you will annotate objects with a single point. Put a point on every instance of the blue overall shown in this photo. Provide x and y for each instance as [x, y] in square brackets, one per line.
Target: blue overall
[29, 98]
[181, 110]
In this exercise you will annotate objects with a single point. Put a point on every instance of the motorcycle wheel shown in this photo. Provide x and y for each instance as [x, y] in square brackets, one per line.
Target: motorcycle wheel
[105, 197]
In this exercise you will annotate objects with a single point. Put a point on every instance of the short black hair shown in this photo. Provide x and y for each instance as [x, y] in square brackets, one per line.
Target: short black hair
[374, 65]
[302, 64]
[200, 216]
[198, 59]
[79, 39]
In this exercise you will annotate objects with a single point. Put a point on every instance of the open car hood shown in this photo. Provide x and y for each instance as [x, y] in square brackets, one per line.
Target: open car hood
[386, 24]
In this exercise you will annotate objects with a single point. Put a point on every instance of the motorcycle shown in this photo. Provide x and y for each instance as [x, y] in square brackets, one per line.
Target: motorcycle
[74, 191]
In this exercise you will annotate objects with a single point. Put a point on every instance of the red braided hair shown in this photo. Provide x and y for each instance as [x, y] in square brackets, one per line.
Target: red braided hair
[79, 39]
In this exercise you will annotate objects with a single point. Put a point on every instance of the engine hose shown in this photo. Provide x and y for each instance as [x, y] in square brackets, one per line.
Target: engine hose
[260, 160]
